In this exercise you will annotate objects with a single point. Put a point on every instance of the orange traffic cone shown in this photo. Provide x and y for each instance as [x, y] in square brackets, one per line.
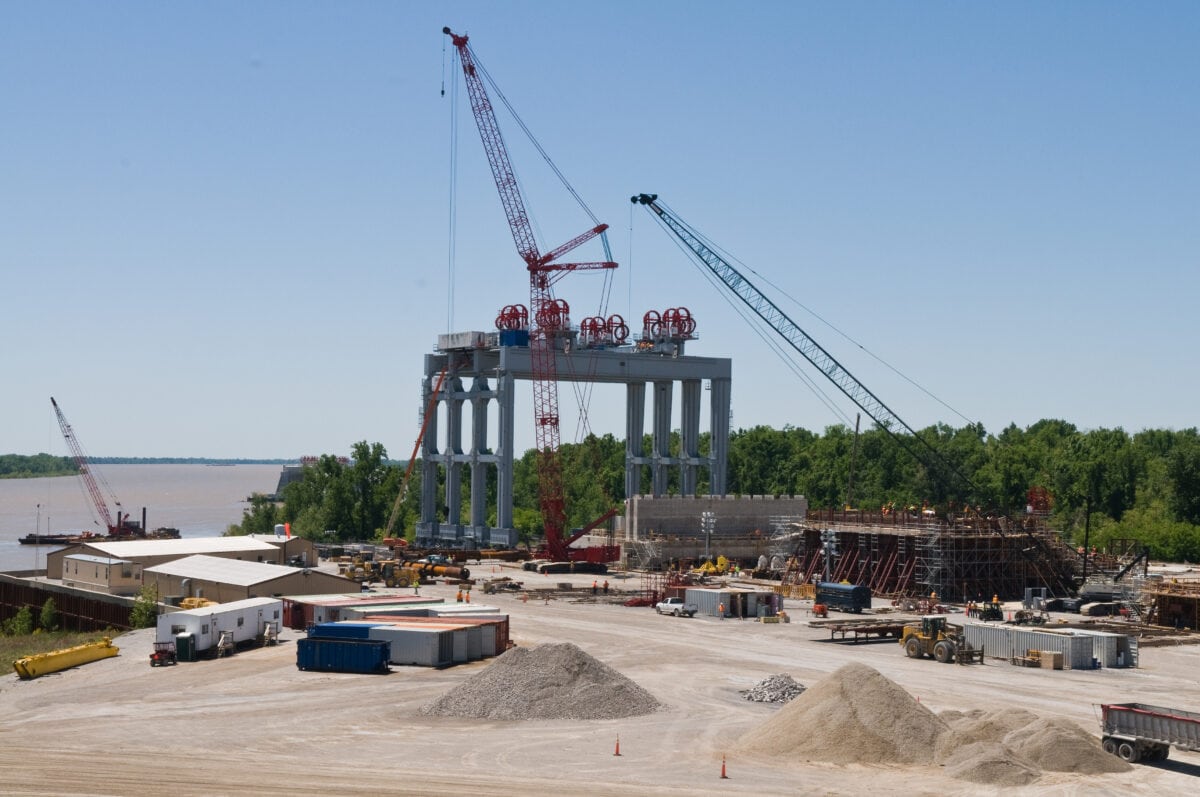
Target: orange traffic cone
[723, 775]
[618, 750]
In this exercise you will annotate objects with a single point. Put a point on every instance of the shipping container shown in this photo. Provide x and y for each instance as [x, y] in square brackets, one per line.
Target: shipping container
[1005, 642]
[342, 630]
[342, 655]
[745, 603]
[1112, 650]
[843, 597]
[417, 645]
[246, 620]
[497, 644]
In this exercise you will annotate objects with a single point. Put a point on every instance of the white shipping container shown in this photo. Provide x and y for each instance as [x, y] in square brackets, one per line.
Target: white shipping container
[414, 645]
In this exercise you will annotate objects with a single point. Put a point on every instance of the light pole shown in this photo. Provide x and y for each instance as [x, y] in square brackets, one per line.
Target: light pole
[707, 521]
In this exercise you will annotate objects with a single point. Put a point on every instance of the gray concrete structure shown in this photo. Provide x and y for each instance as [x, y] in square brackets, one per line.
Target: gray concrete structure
[485, 371]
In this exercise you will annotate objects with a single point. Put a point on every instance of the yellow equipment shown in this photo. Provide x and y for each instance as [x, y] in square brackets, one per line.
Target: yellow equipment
[937, 638]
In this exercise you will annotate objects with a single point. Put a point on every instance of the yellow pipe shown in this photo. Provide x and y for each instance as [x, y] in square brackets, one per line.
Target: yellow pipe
[55, 660]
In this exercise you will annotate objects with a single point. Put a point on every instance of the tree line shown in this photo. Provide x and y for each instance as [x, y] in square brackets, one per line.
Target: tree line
[21, 466]
[1144, 487]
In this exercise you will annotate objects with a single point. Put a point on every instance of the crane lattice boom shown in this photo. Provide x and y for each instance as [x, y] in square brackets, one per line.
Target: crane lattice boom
[550, 315]
[89, 480]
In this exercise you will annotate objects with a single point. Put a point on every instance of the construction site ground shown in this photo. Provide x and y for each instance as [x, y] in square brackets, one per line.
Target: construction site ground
[255, 724]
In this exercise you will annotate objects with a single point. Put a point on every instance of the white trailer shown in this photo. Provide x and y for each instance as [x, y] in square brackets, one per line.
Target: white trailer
[245, 620]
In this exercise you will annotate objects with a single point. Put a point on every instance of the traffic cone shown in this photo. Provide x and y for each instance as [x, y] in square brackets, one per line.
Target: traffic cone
[723, 775]
[618, 750]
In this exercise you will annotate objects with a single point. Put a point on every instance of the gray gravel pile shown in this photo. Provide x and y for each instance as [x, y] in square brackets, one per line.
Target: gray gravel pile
[557, 681]
[774, 689]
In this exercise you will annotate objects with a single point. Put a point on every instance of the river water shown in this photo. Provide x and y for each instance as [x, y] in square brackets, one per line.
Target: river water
[199, 500]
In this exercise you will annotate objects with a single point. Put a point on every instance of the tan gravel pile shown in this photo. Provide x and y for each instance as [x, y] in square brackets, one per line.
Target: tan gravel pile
[979, 726]
[989, 763]
[555, 681]
[862, 718]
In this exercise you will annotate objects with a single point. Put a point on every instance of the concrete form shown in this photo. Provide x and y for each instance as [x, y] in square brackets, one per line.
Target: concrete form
[492, 371]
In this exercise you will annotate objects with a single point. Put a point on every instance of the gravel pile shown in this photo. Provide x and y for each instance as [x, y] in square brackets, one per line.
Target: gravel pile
[780, 688]
[557, 681]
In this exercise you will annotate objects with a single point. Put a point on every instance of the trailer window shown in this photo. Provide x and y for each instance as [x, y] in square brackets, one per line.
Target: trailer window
[241, 621]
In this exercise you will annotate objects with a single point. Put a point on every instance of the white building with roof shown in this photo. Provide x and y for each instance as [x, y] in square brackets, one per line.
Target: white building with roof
[149, 553]
[102, 573]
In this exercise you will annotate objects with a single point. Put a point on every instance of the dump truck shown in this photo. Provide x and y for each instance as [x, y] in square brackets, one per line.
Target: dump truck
[935, 637]
[1138, 732]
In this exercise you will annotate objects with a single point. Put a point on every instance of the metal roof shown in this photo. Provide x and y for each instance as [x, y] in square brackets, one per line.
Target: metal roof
[226, 571]
[133, 549]
[224, 608]
[102, 560]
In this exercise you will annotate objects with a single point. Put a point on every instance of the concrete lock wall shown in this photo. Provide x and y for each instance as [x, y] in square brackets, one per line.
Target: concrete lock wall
[679, 516]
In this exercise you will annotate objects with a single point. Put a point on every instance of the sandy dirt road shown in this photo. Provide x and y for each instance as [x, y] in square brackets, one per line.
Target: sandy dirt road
[254, 724]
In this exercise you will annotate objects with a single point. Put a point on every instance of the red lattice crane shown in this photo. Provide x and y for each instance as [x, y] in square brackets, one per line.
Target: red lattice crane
[550, 316]
[89, 479]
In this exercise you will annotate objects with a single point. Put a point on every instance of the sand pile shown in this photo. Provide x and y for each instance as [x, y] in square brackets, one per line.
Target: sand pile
[862, 718]
[857, 716]
[1013, 747]
[557, 681]
[1059, 745]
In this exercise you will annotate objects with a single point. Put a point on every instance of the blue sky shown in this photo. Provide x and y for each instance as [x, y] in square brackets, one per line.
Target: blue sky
[224, 227]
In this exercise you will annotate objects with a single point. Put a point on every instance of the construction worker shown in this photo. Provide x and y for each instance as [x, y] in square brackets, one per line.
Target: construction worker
[595, 586]
[606, 586]
[458, 597]
[467, 596]
[721, 610]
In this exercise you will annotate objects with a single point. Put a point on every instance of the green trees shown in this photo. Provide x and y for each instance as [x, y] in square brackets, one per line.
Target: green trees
[145, 608]
[1144, 487]
[19, 466]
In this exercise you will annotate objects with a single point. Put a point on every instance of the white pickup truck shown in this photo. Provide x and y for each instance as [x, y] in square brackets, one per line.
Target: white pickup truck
[676, 607]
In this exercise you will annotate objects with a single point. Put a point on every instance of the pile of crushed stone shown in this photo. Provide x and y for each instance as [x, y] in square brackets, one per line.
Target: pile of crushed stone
[867, 719]
[780, 688]
[863, 719]
[555, 681]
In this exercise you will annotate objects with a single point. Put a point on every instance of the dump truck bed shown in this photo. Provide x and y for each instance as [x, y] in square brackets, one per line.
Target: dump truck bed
[1172, 726]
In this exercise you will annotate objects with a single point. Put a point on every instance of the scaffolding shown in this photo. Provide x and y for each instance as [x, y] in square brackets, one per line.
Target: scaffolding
[913, 556]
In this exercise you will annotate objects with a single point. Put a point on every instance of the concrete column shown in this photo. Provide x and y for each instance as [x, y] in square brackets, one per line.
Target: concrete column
[479, 409]
[719, 398]
[689, 433]
[660, 466]
[429, 455]
[504, 468]
[635, 427]
[453, 448]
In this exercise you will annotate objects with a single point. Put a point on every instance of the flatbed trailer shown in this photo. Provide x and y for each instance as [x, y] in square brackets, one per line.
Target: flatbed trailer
[864, 630]
[1139, 732]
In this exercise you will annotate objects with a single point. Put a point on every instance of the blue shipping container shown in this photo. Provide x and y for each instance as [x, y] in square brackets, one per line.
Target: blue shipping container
[846, 597]
[343, 655]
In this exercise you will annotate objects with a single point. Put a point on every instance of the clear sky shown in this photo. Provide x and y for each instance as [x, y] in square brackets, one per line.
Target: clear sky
[225, 226]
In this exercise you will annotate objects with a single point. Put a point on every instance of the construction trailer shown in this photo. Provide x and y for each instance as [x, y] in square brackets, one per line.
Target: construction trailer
[240, 621]
[733, 602]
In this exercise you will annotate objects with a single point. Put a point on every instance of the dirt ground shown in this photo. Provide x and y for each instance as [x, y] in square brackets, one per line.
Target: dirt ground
[254, 724]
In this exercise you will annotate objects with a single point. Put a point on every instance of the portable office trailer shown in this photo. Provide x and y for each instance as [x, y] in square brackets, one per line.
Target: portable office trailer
[246, 619]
